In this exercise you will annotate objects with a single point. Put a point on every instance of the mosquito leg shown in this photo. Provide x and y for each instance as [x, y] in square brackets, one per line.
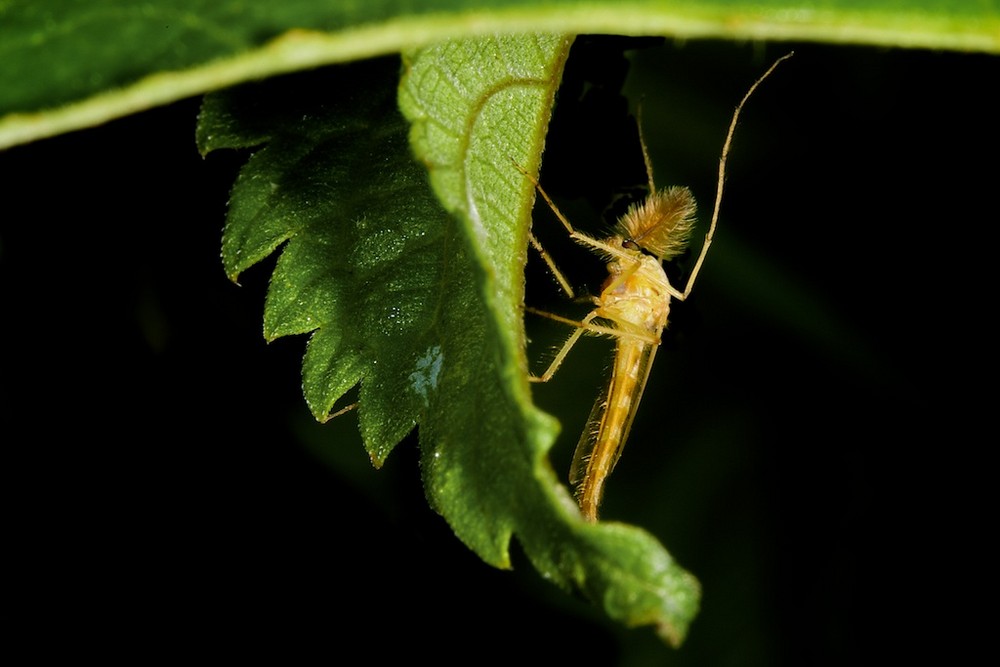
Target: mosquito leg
[567, 346]
[538, 246]
[722, 176]
[579, 237]
[548, 200]
[585, 325]
[552, 266]
[588, 326]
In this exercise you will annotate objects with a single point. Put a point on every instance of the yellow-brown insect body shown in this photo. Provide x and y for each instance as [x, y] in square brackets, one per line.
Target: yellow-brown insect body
[635, 300]
[633, 308]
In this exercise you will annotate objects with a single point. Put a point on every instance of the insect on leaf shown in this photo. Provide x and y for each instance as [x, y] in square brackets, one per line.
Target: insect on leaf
[420, 307]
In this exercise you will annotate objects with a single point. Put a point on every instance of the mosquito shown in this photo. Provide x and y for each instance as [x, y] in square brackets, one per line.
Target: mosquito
[633, 307]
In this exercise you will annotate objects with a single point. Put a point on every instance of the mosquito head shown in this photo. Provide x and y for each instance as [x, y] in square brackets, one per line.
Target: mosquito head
[662, 224]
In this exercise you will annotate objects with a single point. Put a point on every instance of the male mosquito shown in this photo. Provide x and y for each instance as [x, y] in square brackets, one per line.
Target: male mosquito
[632, 308]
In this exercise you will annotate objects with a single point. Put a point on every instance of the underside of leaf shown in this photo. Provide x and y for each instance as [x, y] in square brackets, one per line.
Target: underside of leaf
[421, 303]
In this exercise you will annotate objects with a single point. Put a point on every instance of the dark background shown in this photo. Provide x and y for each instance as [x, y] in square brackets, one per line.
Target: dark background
[810, 444]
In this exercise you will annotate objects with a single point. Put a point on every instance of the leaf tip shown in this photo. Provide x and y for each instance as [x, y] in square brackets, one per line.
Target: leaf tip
[377, 459]
[669, 633]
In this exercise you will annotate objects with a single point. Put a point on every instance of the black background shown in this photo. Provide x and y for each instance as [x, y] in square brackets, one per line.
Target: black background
[809, 445]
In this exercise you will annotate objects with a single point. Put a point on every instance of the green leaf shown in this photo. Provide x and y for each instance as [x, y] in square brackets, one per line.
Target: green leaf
[363, 237]
[419, 304]
[423, 307]
[91, 62]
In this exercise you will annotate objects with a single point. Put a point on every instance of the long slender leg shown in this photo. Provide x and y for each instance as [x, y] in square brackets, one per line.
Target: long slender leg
[577, 236]
[639, 335]
[564, 350]
[548, 200]
[722, 176]
[580, 326]
[584, 326]
[552, 266]
[538, 246]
